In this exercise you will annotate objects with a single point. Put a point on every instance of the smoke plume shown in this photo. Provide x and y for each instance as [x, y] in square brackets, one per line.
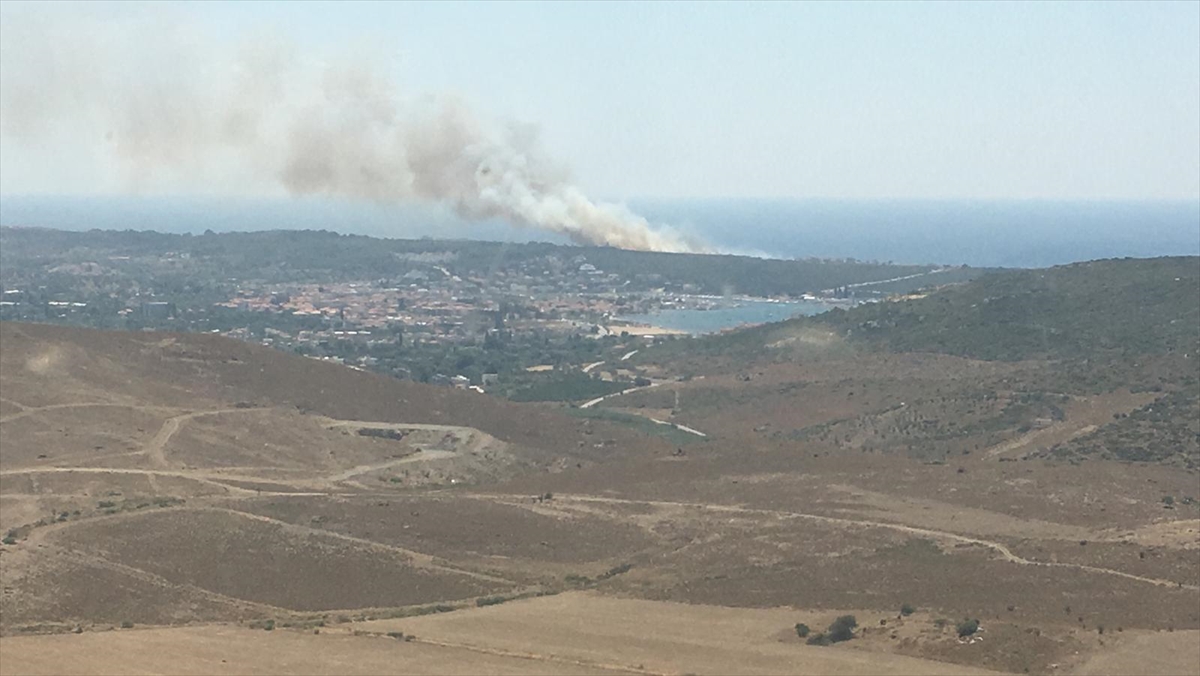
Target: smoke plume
[165, 102]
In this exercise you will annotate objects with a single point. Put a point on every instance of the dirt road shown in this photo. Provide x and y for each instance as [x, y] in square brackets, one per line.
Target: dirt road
[28, 410]
[419, 456]
[1005, 553]
[155, 449]
[1083, 416]
[597, 400]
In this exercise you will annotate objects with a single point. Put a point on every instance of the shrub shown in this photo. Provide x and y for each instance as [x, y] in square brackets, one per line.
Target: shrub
[269, 625]
[615, 571]
[818, 639]
[9, 540]
[940, 622]
[842, 629]
[968, 627]
[802, 630]
[127, 625]
[489, 601]
[907, 610]
[106, 504]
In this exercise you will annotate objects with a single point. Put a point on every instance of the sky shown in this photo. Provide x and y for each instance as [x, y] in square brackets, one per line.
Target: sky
[855, 100]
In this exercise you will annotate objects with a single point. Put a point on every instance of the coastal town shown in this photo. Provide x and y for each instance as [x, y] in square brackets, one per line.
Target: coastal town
[496, 317]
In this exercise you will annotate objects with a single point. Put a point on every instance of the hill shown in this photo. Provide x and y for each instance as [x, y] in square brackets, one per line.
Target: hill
[1097, 359]
[152, 480]
[1095, 309]
[48, 365]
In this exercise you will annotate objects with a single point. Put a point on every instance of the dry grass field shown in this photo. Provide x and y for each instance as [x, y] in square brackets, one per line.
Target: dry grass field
[202, 490]
[233, 651]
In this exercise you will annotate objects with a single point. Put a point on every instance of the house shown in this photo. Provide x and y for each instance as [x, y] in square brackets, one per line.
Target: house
[460, 381]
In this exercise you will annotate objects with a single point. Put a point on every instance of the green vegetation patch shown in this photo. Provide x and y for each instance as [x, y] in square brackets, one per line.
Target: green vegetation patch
[568, 387]
[637, 422]
[1109, 307]
[1166, 430]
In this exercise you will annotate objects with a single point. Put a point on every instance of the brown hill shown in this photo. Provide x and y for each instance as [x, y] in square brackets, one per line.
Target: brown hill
[155, 479]
[46, 365]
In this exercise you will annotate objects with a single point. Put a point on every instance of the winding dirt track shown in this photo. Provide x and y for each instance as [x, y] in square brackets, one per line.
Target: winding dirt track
[155, 449]
[1004, 552]
[34, 410]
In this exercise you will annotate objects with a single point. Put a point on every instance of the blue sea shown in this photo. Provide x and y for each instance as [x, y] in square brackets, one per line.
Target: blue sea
[977, 233]
[717, 319]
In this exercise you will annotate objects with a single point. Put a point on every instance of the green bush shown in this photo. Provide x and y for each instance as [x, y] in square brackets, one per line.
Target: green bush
[907, 610]
[968, 627]
[842, 629]
[818, 639]
[127, 625]
[802, 630]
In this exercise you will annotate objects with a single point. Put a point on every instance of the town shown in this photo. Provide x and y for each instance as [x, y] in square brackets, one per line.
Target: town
[501, 318]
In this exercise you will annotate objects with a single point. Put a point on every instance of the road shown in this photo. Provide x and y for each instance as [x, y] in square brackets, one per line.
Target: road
[597, 400]
[155, 449]
[682, 428]
[33, 410]
[888, 281]
[419, 456]
[1004, 552]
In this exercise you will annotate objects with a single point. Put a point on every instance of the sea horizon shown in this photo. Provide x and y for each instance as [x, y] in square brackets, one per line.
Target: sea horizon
[979, 233]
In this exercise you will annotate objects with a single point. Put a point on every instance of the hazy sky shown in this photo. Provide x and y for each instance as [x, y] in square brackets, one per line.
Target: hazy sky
[1071, 100]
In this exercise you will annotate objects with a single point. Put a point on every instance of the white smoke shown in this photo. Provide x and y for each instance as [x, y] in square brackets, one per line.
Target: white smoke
[167, 102]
